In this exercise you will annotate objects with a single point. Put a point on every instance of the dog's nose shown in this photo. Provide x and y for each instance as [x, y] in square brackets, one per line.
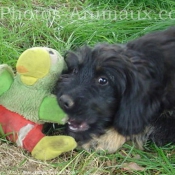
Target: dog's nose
[66, 101]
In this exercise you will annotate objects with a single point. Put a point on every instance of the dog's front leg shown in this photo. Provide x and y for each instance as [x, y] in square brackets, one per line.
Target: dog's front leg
[110, 142]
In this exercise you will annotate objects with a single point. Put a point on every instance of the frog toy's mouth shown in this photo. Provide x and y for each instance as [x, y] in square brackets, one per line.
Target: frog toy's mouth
[33, 64]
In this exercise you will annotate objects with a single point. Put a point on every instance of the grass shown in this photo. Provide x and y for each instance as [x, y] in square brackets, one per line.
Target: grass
[67, 24]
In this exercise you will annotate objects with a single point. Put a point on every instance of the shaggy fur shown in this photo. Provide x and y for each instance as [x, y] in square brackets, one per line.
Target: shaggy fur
[113, 93]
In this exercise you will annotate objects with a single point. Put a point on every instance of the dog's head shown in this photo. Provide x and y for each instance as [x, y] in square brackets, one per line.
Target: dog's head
[105, 86]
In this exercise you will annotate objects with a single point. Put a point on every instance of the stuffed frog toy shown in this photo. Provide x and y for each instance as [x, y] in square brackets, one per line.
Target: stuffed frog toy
[26, 103]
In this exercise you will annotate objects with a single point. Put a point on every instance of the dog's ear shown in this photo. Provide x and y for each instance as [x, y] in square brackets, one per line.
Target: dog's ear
[71, 59]
[75, 59]
[139, 101]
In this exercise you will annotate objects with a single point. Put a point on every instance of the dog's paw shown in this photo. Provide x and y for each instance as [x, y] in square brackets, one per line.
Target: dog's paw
[110, 142]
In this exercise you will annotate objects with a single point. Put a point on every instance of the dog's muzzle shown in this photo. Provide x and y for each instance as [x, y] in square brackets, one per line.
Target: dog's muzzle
[67, 103]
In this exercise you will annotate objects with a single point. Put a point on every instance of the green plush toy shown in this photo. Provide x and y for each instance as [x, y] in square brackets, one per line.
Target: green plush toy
[26, 103]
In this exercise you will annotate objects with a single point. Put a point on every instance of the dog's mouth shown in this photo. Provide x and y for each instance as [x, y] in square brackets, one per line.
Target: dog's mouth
[77, 126]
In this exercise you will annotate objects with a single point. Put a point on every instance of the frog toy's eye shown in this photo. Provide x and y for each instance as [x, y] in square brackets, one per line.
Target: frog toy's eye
[51, 52]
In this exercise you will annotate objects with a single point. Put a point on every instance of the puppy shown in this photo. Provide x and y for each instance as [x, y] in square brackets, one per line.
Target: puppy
[113, 93]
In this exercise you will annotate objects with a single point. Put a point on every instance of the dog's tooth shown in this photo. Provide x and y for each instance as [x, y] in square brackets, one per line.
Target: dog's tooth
[72, 128]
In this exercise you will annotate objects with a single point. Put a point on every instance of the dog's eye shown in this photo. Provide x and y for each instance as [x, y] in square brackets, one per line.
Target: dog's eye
[102, 81]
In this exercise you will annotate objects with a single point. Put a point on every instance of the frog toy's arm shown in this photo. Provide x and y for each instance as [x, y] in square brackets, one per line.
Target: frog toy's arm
[6, 78]
[51, 112]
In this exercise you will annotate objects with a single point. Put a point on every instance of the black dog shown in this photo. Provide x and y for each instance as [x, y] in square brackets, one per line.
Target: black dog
[112, 93]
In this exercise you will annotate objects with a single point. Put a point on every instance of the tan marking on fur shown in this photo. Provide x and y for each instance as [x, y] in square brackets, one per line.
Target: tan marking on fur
[111, 141]
[142, 138]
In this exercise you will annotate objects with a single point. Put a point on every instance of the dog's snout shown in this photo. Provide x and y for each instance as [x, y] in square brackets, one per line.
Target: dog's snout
[66, 101]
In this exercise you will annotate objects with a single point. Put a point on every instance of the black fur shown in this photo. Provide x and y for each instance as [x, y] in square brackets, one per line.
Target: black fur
[127, 87]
